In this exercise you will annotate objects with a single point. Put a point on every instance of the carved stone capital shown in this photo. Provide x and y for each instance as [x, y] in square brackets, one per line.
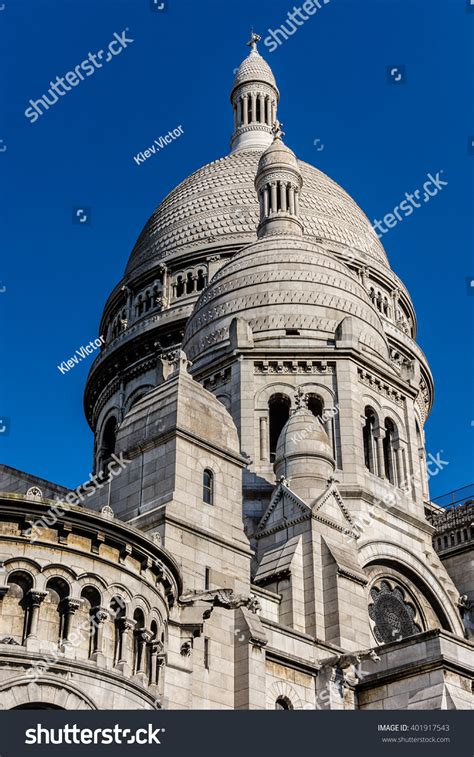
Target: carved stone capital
[36, 597]
[71, 605]
[127, 624]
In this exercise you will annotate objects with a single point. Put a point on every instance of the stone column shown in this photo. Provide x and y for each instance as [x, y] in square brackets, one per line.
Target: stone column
[126, 625]
[154, 647]
[70, 607]
[264, 438]
[35, 598]
[405, 470]
[143, 637]
[282, 188]
[379, 435]
[239, 112]
[99, 616]
[273, 188]
[330, 429]
[266, 201]
[246, 109]
[262, 108]
[292, 199]
[254, 108]
[297, 202]
[398, 465]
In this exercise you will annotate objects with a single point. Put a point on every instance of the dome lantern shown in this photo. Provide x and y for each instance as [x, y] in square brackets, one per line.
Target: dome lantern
[254, 100]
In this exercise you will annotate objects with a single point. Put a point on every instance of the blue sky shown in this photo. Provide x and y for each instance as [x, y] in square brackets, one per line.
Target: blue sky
[380, 141]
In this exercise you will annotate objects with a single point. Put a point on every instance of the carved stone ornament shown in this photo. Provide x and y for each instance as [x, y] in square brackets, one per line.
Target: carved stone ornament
[393, 615]
[222, 598]
[34, 492]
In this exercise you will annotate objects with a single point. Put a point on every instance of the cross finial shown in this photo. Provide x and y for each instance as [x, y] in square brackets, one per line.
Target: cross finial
[254, 38]
[277, 131]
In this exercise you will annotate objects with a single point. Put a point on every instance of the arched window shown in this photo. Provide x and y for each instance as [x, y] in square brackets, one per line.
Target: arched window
[179, 286]
[279, 412]
[83, 633]
[368, 438]
[14, 615]
[189, 283]
[140, 636]
[208, 487]
[117, 613]
[315, 404]
[139, 306]
[283, 703]
[201, 280]
[55, 616]
[108, 439]
[388, 451]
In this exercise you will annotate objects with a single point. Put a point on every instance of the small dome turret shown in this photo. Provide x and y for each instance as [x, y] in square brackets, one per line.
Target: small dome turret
[278, 183]
[303, 454]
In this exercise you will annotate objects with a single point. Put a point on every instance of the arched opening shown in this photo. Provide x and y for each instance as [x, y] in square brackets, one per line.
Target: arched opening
[179, 286]
[201, 280]
[388, 451]
[189, 283]
[54, 612]
[208, 487]
[283, 703]
[84, 635]
[108, 439]
[114, 637]
[315, 404]
[152, 652]
[139, 643]
[139, 306]
[14, 615]
[368, 439]
[279, 412]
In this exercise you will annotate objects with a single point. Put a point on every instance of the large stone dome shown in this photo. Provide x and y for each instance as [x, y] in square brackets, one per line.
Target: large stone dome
[217, 206]
[279, 285]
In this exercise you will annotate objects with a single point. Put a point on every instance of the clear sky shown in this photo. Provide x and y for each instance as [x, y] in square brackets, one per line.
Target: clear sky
[380, 141]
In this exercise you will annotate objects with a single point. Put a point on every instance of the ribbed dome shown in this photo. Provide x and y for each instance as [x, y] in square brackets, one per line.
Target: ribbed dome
[254, 68]
[217, 206]
[282, 283]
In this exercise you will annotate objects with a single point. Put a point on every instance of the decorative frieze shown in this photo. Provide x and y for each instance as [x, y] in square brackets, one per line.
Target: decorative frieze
[380, 386]
[275, 367]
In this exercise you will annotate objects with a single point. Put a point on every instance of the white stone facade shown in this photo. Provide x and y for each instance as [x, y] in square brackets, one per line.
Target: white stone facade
[266, 543]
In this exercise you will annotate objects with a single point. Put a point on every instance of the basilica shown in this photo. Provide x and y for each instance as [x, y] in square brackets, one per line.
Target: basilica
[268, 540]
